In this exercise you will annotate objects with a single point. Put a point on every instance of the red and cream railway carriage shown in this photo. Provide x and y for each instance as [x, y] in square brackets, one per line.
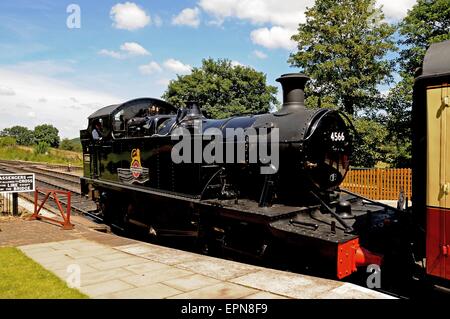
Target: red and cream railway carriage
[431, 184]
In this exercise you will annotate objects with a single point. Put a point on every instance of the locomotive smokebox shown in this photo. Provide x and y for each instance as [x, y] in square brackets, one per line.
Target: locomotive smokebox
[293, 85]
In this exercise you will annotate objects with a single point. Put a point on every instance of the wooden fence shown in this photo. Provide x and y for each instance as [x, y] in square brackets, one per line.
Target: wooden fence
[379, 184]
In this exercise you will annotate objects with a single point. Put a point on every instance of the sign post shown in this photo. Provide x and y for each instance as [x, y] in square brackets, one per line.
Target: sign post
[15, 184]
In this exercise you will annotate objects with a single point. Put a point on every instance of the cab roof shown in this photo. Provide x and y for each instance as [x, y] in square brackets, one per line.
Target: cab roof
[437, 60]
[112, 109]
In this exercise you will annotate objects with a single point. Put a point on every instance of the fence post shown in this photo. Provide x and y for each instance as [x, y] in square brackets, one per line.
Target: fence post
[378, 175]
[15, 204]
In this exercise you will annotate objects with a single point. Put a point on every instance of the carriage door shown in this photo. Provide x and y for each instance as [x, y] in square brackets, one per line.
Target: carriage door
[438, 181]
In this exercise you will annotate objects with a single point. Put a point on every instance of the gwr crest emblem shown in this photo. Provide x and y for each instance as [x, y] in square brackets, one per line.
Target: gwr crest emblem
[136, 166]
[136, 173]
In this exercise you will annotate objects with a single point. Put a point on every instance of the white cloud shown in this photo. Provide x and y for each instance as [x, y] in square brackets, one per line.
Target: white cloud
[282, 17]
[288, 13]
[235, 63]
[128, 49]
[396, 10]
[278, 20]
[189, 17]
[273, 38]
[30, 88]
[177, 66]
[150, 68]
[129, 16]
[260, 55]
[6, 91]
[112, 54]
[133, 48]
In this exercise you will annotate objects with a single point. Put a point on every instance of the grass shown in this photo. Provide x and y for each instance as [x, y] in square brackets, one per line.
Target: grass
[22, 278]
[53, 156]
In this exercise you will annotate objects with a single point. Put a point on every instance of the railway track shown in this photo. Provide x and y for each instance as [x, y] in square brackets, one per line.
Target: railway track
[49, 179]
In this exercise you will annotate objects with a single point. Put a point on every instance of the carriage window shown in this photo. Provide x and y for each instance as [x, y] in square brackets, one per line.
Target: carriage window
[119, 123]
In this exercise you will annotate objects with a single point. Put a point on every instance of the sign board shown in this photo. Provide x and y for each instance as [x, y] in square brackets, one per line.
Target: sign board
[17, 183]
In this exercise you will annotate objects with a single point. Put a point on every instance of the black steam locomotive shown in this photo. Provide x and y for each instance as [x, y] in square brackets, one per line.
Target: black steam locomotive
[265, 186]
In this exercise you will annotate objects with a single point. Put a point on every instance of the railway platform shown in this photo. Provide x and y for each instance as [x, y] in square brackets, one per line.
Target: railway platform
[115, 267]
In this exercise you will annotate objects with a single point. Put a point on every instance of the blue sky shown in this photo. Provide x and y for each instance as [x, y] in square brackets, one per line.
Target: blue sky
[50, 73]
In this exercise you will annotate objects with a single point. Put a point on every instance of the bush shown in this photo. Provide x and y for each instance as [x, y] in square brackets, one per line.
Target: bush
[70, 145]
[41, 148]
[7, 141]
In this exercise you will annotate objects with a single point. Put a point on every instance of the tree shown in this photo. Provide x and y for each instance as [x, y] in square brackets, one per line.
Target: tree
[426, 23]
[342, 46]
[46, 133]
[398, 106]
[369, 147]
[223, 89]
[70, 145]
[23, 135]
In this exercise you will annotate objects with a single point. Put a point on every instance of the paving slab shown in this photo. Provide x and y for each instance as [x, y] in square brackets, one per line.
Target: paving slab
[287, 284]
[155, 291]
[191, 282]
[82, 262]
[103, 276]
[105, 288]
[218, 268]
[223, 290]
[146, 267]
[112, 256]
[66, 270]
[159, 253]
[117, 263]
[264, 295]
[141, 270]
[139, 249]
[351, 291]
[91, 253]
[155, 276]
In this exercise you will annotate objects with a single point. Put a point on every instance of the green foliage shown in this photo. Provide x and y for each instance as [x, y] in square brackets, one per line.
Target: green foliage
[399, 154]
[23, 135]
[41, 148]
[7, 141]
[398, 105]
[71, 145]
[22, 278]
[342, 46]
[46, 133]
[426, 23]
[369, 148]
[222, 89]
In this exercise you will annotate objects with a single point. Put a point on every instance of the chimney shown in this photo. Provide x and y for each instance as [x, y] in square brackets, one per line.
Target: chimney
[193, 110]
[293, 85]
